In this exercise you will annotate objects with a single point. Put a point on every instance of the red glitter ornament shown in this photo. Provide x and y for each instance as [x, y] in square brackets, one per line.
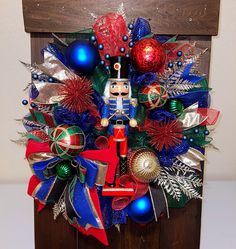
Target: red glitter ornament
[148, 55]
[77, 93]
[164, 134]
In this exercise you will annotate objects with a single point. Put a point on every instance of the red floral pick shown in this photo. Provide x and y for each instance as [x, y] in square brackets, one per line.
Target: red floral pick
[77, 94]
[164, 134]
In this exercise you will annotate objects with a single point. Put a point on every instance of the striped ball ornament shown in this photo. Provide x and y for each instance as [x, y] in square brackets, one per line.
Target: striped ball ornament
[153, 96]
[67, 141]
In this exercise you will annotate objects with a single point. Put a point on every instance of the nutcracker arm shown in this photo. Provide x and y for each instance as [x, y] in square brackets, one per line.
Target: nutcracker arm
[105, 109]
[133, 107]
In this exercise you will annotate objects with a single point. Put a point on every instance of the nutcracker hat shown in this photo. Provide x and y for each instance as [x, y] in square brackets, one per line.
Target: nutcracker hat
[119, 68]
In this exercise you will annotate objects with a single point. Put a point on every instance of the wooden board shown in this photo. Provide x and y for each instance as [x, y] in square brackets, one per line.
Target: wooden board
[187, 17]
[181, 231]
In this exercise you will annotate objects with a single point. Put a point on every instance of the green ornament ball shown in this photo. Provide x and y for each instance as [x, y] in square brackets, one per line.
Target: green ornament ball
[176, 107]
[64, 170]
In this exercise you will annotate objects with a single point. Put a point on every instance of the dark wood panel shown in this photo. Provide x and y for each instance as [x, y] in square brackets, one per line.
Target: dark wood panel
[51, 234]
[188, 17]
[182, 230]
[38, 42]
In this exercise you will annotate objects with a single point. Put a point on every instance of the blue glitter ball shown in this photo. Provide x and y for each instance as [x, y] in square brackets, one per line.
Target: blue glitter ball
[179, 53]
[122, 50]
[141, 210]
[131, 26]
[35, 76]
[82, 56]
[50, 80]
[190, 140]
[102, 62]
[184, 137]
[125, 38]
[107, 56]
[206, 132]
[24, 102]
[127, 55]
[107, 67]
[196, 131]
[179, 63]
[131, 44]
[93, 38]
[100, 46]
[170, 65]
[33, 105]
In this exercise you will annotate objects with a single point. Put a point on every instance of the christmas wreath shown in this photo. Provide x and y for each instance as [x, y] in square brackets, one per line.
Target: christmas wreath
[117, 124]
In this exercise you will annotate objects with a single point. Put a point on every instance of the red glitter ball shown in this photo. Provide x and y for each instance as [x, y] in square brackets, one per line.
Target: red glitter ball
[164, 134]
[148, 55]
[77, 94]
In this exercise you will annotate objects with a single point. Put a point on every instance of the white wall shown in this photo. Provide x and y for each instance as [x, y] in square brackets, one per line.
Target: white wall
[15, 45]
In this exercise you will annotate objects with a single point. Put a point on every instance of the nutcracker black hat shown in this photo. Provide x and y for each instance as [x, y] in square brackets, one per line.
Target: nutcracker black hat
[119, 67]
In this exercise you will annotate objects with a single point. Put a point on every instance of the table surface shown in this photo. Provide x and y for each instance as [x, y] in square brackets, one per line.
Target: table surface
[218, 217]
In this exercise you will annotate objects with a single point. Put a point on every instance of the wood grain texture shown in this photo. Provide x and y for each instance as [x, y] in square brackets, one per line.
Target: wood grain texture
[187, 17]
[181, 231]
[51, 234]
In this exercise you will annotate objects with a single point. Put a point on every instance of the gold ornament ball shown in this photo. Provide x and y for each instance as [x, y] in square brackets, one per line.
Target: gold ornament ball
[143, 165]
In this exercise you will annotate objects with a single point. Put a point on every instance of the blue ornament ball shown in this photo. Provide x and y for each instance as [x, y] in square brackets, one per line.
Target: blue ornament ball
[206, 132]
[24, 102]
[179, 63]
[107, 56]
[82, 56]
[35, 76]
[131, 26]
[100, 46]
[131, 44]
[33, 105]
[122, 50]
[93, 38]
[196, 130]
[170, 65]
[179, 53]
[141, 210]
[125, 38]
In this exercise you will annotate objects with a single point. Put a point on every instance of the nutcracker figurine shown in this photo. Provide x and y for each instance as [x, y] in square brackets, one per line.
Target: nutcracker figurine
[119, 109]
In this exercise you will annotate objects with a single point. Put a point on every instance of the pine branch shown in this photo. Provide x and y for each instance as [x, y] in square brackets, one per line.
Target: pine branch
[59, 208]
[180, 86]
[178, 180]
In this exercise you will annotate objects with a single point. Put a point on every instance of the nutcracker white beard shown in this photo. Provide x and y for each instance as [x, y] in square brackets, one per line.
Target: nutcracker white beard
[107, 91]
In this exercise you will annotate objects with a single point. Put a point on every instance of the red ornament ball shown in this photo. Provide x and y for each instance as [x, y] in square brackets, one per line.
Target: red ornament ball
[67, 141]
[148, 55]
[153, 96]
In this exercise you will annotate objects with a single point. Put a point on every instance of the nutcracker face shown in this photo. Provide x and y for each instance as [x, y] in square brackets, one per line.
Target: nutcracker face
[119, 89]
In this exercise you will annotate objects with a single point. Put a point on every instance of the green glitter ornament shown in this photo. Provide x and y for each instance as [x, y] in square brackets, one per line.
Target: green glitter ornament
[176, 107]
[64, 170]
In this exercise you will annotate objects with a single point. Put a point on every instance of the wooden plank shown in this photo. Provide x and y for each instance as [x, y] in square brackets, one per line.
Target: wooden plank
[51, 234]
[187, 17]
[182, 230]
[130, 236]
